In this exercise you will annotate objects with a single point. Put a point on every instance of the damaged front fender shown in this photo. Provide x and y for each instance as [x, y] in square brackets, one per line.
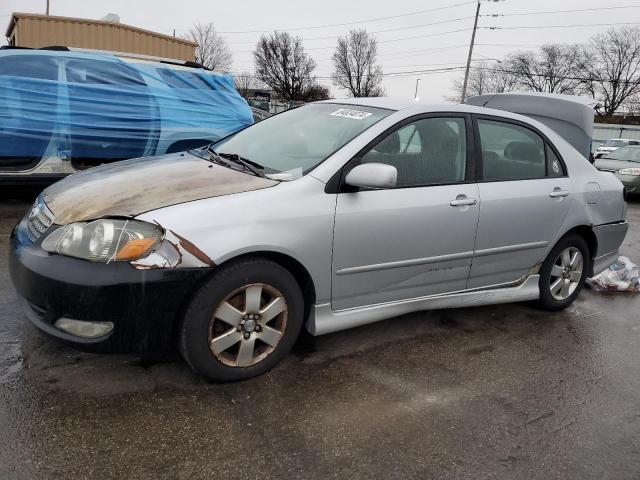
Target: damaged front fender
[174, 251]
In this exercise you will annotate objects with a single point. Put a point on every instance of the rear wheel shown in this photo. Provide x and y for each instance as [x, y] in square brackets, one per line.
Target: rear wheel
[564, 272]
[243, 321]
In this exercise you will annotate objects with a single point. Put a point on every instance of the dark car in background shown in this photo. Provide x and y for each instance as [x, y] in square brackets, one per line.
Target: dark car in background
[66, 110]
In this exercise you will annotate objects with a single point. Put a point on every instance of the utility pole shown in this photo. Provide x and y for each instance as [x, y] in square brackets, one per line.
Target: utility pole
[473, 39]
[415, 96]
[47, 7]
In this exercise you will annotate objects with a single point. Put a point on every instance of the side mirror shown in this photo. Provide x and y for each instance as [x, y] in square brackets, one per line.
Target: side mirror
[372, 175]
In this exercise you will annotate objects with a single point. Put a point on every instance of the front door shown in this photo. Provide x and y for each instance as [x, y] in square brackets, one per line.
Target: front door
[415, 239]
[525, 194]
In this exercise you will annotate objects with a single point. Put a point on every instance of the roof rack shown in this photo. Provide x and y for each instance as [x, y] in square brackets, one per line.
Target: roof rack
[139, 56]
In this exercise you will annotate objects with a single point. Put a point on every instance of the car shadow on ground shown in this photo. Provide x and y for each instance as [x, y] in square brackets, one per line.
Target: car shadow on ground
[466, 333]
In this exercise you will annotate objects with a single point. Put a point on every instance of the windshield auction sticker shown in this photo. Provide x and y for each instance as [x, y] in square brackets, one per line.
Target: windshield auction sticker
[349, 113]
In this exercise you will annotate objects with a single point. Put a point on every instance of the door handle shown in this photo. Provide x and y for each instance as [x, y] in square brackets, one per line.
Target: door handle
[462, 200]
[559, 193]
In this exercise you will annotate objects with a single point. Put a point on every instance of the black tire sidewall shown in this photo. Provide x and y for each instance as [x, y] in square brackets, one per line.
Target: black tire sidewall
[546, 298]
[193, 341]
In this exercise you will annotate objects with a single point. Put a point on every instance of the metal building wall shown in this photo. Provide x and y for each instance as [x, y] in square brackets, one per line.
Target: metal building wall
[38, 31]
[603, 131]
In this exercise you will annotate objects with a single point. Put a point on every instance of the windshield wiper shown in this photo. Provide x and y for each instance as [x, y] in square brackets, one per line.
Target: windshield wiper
[215, 158]
[250, 165]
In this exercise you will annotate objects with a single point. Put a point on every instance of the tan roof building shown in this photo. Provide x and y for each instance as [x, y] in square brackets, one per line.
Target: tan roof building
[37, 31]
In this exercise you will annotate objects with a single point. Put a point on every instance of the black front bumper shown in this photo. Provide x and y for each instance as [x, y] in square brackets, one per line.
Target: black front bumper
[143, 305]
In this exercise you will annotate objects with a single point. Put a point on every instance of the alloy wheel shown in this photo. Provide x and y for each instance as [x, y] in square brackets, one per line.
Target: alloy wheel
[566, 273]
[248, 325]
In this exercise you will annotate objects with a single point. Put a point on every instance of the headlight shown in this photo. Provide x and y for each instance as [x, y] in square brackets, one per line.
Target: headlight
[104, 240]
[629, 171]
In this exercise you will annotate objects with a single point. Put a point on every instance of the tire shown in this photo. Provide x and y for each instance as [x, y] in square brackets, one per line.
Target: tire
[555, 292]
[233, 293]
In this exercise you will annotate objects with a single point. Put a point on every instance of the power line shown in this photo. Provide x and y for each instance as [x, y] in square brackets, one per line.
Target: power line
[582, 79]
[507, 45]
[448, 64]
[390, 74]
[331, 47]
[558, 26]
[377, 19]
[424, 36]
[576, 10]
[427, 35]
[411, 53]
[462, 67]
[374, 32]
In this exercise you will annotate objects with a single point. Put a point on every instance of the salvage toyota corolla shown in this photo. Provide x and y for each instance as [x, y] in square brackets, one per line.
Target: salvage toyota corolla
[328, 216]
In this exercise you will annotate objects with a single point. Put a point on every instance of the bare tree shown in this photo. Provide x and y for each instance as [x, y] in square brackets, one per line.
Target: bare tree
[354, 61]
[283, 65]
[245, 83]
[632, 105]
[612, 67]
[485, 77]
[551, 69]
[212, 50]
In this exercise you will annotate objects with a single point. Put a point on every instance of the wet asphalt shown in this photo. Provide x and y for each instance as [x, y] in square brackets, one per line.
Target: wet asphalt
[500, 392]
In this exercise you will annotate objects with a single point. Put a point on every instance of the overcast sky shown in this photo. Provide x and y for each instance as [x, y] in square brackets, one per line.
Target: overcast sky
[443, 34]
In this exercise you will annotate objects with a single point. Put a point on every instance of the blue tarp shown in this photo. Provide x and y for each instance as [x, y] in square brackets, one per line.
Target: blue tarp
[89, 105]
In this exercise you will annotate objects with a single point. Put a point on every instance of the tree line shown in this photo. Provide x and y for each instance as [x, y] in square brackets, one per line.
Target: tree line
[606, 68]
[282, 64]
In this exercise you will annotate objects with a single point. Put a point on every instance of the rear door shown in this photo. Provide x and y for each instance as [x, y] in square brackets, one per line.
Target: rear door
[525, 195]
[415, 239]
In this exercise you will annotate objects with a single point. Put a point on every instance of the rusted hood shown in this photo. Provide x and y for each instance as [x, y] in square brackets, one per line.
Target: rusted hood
[135, 186]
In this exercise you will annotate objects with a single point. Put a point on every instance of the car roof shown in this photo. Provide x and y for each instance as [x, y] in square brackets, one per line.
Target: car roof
[418, 107]
[390, 103]
[62, 51]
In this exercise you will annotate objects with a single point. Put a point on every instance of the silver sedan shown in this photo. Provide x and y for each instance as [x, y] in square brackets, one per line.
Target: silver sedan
[625, 164]
[329, 216]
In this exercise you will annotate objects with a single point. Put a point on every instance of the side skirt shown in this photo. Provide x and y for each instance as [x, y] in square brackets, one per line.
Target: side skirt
[325, 320]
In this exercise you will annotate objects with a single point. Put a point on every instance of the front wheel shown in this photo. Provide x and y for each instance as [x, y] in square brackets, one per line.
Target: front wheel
[243, 321]
[564, 272]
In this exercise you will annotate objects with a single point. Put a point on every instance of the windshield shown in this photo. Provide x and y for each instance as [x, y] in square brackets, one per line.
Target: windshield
[628, 154]
[614, 143]
[298, 140]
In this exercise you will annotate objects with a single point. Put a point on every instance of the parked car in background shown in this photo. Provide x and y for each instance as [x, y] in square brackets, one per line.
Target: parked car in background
[625, 163]
[65, 110]
[259, 115]
[328, 216]
[613, 144]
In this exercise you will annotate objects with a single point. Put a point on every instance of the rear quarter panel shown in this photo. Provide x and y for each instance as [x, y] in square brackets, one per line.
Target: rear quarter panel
[597, 196]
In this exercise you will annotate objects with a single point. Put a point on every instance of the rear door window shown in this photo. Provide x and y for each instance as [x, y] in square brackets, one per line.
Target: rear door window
[511, 152]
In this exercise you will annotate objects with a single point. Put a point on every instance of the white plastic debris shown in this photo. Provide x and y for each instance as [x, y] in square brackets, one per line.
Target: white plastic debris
[622, 276]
